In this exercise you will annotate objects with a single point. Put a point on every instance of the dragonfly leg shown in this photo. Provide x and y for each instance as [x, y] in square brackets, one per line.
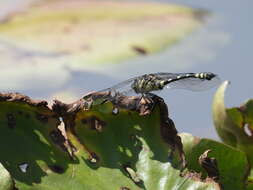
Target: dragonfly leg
[113, 93]
[147, 98]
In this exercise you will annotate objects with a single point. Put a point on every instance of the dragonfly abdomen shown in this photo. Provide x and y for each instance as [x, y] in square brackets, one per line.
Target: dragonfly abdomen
[201, 76]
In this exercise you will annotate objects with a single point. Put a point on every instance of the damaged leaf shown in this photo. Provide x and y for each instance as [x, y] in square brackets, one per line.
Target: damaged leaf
[234, 125]
[224, 164]
[210, 165]
[137, 148]
[27, 147]
[140, 141]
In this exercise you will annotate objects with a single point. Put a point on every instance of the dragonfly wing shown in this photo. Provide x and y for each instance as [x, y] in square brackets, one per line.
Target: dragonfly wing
[129, 92]
[122, 87]
[194, 84]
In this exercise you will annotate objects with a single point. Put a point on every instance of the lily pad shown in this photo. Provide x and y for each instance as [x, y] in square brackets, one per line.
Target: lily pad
[125, 143]
[32, 146]
[91, 32]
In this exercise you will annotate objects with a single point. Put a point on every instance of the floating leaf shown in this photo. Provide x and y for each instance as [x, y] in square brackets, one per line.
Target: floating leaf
[88, 32]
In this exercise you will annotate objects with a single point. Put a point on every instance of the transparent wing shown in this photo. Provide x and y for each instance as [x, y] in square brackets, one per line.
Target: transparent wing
[122, 87]
[194, 84]
[128, 92]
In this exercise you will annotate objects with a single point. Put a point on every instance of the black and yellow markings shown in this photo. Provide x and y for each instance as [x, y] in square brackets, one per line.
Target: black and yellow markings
[153, 82]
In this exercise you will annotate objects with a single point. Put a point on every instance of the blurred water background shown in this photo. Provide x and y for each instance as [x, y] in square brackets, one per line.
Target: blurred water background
[223, 46]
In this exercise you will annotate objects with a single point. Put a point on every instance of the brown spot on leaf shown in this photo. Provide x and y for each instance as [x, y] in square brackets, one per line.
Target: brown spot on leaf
[210, 165]
[11, 120]
[56, 169]
[94, 123]
[134, 103]
[191, 174]
[60, 108]
[140, 50]
[197, 177]
[42, 118]
[65, 145]
[57, 137]
[124, 188]
[142, 105]
[169, 132]
[17, 97]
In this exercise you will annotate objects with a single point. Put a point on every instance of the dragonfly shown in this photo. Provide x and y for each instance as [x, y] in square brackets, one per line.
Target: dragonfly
[148, 83]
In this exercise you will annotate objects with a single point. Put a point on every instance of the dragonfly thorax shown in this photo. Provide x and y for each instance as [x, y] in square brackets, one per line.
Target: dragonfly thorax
[147, 83]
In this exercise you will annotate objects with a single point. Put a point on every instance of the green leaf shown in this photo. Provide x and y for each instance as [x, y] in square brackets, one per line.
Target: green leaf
[31, 145]
[130, 144]
[232, 163]
[136, 147]
[97, 31]
[234, 125]
[221, 121]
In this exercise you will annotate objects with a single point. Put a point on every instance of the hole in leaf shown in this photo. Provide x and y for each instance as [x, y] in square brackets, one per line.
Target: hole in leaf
[23, 167]
[94, 123]
[115, 111]
[247, 130]
[93, 158]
